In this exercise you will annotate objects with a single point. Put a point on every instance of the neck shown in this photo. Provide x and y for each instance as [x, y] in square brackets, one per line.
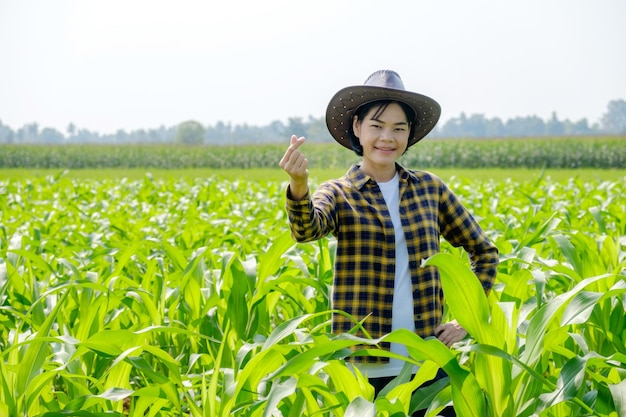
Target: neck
[381, 175]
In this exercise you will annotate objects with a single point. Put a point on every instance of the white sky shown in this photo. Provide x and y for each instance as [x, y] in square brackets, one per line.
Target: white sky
[132, 64]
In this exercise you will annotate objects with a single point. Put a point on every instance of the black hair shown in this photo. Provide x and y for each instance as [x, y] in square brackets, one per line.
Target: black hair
[382, 105]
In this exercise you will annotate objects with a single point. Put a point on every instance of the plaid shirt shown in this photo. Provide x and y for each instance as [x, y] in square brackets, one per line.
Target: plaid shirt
[352, 208]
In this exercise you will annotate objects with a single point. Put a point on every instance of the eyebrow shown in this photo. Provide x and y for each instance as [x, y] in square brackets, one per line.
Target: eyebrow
[380, 121]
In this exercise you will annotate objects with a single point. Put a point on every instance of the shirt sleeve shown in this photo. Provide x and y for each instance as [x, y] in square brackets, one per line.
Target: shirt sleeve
[312, 217]
[460, 228]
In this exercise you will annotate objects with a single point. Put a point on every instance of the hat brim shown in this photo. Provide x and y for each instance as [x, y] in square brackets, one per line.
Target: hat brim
[343, 104]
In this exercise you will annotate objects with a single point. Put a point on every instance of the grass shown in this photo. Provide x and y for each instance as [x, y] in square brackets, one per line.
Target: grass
[317, 174]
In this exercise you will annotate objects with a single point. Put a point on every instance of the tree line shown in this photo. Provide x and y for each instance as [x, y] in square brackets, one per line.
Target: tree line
[613, 122]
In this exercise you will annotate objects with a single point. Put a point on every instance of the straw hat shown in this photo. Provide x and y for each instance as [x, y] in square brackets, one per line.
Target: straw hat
[381, 85]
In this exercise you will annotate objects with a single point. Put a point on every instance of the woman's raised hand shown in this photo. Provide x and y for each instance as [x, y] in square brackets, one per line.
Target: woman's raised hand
[296, 165]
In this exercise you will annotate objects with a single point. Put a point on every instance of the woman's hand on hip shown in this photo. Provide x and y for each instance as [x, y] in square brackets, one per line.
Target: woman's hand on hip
[450, 333]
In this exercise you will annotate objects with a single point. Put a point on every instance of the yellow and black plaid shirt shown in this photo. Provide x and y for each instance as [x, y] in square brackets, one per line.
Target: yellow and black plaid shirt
[352, 208]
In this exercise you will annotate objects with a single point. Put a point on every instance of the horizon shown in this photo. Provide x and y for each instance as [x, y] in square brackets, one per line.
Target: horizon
[438, 126]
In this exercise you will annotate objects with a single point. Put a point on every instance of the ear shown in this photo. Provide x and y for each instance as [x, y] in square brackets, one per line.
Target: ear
[356, 126]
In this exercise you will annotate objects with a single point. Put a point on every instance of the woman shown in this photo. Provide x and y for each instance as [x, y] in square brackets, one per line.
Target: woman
[386, 219]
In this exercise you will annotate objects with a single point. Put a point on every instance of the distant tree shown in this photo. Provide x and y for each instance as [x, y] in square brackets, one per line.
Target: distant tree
[121, 136]
[140, 136]
[154, 136]
[6, 134]
[316, 130]
[190, 133]
[476, 126]
[295, 126]
[455, 127]
[28, 133]
[220, 133]
[93, 137]
[614, 120]
[525, 126]
[495, 128]
[71, 129]
[580, 127]
[51, 136]
[276, 130]
[33, 131]
[554, 127]
[247, 134]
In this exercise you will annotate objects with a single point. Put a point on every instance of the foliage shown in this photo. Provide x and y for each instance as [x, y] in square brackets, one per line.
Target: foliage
[478, 126]
[614, 119]
[602, 153]
[172, 297]
[314, 128]
[190, 133]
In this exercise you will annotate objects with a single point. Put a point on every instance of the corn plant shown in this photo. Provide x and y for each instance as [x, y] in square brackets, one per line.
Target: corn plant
[188, 297]
[555, 152]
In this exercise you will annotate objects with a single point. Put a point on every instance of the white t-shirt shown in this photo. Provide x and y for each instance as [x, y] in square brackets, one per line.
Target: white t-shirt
[402, 315]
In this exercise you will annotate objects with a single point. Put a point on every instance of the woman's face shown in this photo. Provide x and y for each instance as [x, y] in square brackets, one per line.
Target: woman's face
[384, 136]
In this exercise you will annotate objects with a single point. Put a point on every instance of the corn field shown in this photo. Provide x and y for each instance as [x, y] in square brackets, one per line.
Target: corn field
[189, 298]
[557, 152]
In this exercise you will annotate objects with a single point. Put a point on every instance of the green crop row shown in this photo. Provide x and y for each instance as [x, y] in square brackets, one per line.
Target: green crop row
[441, 153]
[189, 298]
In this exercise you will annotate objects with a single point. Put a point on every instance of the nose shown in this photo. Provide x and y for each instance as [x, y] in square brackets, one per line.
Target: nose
[387, 134]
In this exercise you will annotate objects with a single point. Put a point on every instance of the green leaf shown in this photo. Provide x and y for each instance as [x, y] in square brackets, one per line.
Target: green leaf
[269, 262]
[570, 380]
[618, 392]
[278, 392]
[469, 306]
[360, 407]
[80, 414]
[544, 316]
[34, 258]
[37, 350]
[466, 298]
[110, 342]
[237, 304]
[284, 329]
[145, 368]
[467, 394]
[580, 307]
[115, 394]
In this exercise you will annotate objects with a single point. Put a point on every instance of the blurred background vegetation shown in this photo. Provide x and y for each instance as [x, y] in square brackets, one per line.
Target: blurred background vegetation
[191, 132]
[508, 153]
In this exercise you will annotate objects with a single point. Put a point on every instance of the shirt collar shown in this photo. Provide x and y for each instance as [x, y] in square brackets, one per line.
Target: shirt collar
[358, 178]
